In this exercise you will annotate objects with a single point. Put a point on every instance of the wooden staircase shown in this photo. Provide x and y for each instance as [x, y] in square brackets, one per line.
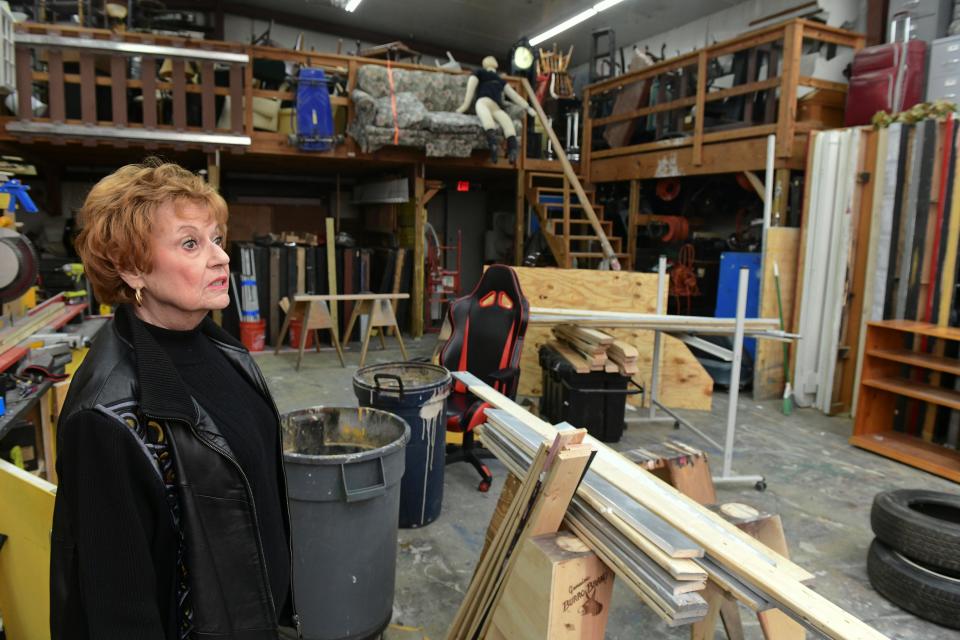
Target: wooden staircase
[568, 232]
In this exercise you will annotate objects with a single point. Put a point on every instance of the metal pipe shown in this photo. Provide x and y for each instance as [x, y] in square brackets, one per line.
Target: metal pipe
[126, 133]
[768, 185]
[661, 287]
[130, 48]
[735, 371]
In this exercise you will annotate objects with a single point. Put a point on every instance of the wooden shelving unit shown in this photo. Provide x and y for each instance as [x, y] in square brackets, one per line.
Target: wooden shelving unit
[890, 370]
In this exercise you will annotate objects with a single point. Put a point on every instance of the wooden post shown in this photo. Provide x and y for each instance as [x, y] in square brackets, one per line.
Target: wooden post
[787, 117]
[247, 107]
[781, 196]
[331, 277]
[420, 218]
[568, 261]
[586, 139]
[520, 222]
[701, 105]
[633, 210]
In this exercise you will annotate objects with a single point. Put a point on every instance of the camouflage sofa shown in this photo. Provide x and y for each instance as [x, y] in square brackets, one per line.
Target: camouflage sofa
[426, 112]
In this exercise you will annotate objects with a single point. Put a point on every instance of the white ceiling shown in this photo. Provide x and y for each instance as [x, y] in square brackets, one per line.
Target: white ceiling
[493, 26]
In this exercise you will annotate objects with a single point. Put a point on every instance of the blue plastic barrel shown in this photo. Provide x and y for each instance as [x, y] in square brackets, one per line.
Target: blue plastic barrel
[416, 392]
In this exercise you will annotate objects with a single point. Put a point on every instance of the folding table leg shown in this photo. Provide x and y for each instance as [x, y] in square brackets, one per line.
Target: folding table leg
[366, 343]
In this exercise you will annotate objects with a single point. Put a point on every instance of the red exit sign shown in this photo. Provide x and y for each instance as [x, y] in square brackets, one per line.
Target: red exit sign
[463, 185]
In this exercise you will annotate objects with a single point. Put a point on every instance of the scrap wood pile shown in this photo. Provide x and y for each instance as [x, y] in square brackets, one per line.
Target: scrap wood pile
[662, 544]
[593, 350]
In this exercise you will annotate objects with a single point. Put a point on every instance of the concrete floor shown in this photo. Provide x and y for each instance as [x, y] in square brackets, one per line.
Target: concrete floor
[821, 487]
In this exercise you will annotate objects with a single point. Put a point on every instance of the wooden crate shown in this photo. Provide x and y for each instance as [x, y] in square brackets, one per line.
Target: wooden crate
[889, 373]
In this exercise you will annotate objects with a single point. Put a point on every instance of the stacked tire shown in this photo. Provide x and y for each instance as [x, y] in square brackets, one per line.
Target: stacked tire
[914, 562]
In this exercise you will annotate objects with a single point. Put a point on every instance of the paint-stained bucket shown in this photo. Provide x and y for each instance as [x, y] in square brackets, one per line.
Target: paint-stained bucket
[417, 392]
[343, 469]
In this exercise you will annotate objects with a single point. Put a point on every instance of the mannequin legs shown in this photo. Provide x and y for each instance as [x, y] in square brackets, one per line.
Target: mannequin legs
[492, 115]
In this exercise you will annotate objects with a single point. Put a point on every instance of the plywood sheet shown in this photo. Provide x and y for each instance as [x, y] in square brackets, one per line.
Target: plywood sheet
[783, 245]
[684, 383]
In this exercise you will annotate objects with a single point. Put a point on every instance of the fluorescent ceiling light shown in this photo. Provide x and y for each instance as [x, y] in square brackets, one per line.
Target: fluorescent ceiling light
[574, 21]
[352, 5]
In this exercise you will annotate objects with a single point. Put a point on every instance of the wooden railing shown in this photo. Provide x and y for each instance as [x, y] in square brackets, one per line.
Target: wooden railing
[116, 88]
[672, 112]
[129, 87]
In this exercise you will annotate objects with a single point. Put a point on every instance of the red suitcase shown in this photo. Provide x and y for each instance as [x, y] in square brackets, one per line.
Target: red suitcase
[887, 77]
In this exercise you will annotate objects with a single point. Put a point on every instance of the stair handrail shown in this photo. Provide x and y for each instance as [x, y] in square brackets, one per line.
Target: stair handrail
[571, 175]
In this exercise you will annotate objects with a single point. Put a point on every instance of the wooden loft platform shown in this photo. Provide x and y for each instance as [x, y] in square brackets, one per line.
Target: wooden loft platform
[710, 111]
[97, 97]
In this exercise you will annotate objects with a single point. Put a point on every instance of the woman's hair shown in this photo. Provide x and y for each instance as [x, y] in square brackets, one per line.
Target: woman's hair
[117, 219]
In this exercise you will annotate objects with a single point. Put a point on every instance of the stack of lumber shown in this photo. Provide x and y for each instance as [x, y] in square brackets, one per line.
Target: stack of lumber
[683, 382]
[593, 350]
[537, 508]
[658, 540]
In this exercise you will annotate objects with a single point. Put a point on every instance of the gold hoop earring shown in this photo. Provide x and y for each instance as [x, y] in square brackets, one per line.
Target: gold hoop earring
[138, 297]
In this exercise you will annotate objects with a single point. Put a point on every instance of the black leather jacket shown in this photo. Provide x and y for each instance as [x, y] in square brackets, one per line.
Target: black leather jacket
[228, 580]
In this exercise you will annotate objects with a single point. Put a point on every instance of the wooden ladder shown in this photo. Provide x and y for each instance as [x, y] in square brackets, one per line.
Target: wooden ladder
[569, 234]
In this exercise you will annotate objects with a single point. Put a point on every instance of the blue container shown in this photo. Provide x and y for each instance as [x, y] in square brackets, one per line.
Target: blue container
[730, 265]
[416, 392]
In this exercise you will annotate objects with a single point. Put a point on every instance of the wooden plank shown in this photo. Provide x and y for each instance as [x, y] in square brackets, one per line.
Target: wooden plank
[551, 504]
[699, 115]
[236, 98]
[118, 90]
[921, 328]
[787, 116]
[579, 363]
[495, 557]
[916, 390]
[918, 359]
[88, 96]
[748, 154]
[519, 218]
[208, 112]
[55, 86]
[179, 98]
[686, 141]
[783, 246]
[342, 297]
[26, 512]
[332, 273]
[419, 256]
[684, 382]
[863, 214]
[724, 541]
[148, 74]
[913, 451]
[24, 62]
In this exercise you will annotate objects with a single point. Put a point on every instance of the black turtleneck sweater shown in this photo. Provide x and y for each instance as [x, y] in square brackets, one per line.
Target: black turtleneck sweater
[250, 427]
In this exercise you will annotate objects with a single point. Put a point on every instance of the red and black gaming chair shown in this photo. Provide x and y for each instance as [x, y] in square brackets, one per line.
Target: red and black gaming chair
[487, 329]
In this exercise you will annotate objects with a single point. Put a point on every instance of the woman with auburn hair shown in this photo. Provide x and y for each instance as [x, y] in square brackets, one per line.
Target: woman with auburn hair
[171, 517]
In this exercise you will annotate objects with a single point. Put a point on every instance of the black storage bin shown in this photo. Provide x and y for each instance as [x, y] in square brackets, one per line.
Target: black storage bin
[595, 401]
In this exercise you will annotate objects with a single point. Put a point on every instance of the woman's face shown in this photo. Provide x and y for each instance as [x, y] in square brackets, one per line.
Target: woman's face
[190, 268]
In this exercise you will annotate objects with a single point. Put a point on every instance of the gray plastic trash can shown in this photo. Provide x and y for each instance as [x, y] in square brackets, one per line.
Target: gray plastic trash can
[344, 467]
